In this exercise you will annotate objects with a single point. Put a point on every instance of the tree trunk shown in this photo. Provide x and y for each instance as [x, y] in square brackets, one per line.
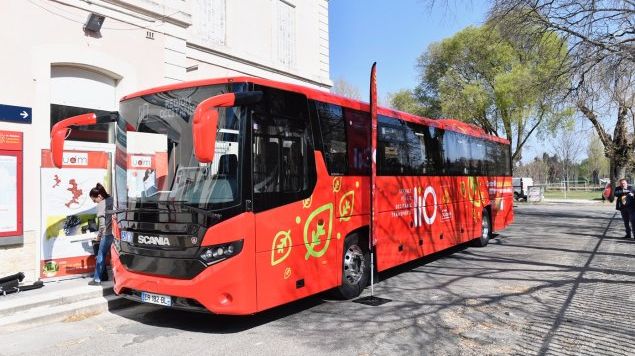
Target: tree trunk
[620, 172]
[617, 148]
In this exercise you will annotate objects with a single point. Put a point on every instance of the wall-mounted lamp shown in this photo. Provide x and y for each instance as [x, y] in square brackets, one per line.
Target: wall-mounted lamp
[94, 22]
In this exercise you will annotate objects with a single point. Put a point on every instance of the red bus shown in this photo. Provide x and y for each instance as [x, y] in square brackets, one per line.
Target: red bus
[236, 195]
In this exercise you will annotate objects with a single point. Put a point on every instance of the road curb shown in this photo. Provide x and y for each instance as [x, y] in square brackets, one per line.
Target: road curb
[64, 301]
[46, 313]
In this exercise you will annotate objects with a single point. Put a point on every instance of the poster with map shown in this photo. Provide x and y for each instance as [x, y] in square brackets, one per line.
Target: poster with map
[68, 213]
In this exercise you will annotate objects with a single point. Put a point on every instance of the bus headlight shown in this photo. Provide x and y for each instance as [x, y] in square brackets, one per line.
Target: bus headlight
[217, 253]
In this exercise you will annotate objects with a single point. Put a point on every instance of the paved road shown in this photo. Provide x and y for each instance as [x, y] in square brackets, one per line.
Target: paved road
[559, 281]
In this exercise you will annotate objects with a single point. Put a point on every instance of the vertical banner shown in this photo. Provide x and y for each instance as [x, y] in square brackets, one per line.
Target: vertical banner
[373, 169]
[11, 190]
[68, 214]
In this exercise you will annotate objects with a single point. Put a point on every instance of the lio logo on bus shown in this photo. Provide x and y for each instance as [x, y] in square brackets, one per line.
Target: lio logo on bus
[424, 209]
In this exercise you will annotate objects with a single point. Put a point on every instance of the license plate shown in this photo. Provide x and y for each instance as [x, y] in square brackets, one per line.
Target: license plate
[159, 299]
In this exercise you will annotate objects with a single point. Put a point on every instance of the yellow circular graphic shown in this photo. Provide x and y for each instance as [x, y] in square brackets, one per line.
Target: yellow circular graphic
[337, 184]
[347, 204]
[320, 232]
[474, 191]
[287, 273]
[281, 247]
[306, 203]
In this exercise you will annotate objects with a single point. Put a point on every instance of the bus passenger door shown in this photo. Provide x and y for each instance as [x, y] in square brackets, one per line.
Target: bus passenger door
[284, 177]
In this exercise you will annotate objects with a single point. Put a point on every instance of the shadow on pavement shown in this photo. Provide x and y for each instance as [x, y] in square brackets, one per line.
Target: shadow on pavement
[553, 290]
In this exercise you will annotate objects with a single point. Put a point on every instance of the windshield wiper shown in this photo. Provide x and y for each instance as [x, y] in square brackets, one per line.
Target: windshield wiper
[203, 211]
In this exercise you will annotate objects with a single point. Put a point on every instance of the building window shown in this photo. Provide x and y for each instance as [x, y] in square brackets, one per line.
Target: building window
[209, 21]
[286, 33]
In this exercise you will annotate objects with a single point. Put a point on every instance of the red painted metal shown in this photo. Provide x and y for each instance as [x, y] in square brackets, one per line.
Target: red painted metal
[205, 123]
[414, 216]
[59, 132]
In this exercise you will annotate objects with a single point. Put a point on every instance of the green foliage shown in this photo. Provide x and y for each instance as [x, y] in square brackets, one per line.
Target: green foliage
[507, 88]
[405, 100]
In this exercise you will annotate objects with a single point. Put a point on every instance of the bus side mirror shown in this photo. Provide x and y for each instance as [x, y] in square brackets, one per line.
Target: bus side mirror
[205, 121]
[60, 131]
[57, 146]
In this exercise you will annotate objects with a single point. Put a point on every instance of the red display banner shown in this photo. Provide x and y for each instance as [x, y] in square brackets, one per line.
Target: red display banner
[11, 178]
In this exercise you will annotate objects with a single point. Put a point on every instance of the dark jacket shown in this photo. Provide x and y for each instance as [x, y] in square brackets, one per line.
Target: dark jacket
[621, 196]
[104, 218]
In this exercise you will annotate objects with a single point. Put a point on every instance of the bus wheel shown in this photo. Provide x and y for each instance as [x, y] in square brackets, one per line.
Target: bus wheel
[355, 269]
[486, 230]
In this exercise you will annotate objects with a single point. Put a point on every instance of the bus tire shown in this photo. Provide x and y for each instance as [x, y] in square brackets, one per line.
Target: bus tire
[355, 268]
[486, 230]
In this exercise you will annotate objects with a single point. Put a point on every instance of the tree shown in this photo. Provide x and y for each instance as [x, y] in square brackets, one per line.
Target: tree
[600, 39]
[536, 169]
[598, 164]
[343, 88]
[405, 100]
[510, 89]
[611, 91]
[568, 146]
[596, 30]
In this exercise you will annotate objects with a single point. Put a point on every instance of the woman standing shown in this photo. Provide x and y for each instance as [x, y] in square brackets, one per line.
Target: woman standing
[104, 236]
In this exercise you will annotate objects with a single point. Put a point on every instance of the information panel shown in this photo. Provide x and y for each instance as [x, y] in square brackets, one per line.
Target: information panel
[68, 213]
[11, 190]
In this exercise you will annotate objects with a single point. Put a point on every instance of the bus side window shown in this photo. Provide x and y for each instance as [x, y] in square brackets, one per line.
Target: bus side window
[392, 150]
[283, 163]
[358, 136]
[333, 137]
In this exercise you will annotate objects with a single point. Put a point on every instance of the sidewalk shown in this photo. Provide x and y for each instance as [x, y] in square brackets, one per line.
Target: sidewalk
[575, 201]
[67, 300]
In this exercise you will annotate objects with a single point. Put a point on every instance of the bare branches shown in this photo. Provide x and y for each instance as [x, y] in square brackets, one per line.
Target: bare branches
[589, 114]
[596, 30]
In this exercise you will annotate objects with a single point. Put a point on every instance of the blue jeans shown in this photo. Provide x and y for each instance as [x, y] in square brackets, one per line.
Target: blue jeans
[100, 259]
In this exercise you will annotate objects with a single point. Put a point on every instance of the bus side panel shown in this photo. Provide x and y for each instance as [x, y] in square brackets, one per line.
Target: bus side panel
[474, 199]
[418, 216]
[501, 199]
[395, 237]
[422, 215]
[299, 245]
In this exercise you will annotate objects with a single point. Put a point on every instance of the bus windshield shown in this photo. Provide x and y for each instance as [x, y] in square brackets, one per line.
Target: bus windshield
[155, 163]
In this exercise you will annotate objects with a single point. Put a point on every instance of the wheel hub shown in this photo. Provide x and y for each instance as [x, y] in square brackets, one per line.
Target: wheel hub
[354, 264]
[485, 227]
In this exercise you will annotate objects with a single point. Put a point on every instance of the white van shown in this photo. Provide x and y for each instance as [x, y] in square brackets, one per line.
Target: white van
[521, 187]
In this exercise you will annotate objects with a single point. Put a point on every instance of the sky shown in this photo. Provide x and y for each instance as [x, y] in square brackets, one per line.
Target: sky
[393, 33]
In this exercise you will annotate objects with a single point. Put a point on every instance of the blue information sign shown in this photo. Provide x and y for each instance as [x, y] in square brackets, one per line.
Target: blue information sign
[12, 113]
